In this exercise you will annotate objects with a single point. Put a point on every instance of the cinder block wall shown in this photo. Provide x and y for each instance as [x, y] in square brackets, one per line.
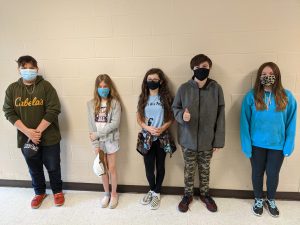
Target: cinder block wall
[74, 41]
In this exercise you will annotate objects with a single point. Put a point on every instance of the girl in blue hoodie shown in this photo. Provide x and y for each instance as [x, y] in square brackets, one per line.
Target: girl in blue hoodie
[267, 130]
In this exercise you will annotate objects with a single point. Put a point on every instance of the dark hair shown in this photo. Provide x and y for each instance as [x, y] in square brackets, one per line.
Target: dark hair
[163, 92]
[277, 88]
[26, 59]
[197, 59]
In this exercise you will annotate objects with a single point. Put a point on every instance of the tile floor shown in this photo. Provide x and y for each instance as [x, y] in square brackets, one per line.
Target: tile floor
[83, 207]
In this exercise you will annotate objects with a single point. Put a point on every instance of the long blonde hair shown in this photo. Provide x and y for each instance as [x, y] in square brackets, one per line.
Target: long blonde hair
[113, 93]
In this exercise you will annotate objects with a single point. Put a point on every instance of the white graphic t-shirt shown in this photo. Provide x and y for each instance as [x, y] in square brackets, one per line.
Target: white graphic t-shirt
[101, 117]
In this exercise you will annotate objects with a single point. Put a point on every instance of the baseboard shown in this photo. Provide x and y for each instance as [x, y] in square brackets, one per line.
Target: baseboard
[222, 193]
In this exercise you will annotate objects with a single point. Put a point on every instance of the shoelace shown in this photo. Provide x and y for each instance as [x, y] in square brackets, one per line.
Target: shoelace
[258, 203]
[272, 204]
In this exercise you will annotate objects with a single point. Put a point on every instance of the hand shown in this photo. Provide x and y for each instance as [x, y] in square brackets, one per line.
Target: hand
[97, 150]
[151, 130]
[34, 135]
[93, 136]
[159, 131]
[215, 150]
[186, 115]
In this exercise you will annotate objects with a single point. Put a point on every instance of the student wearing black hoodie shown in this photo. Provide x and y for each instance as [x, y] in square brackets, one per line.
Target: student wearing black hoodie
[31, 104]
[199, 111]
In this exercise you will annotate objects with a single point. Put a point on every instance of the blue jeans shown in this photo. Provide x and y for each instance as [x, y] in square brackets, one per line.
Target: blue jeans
[50, 157]
[269, 161]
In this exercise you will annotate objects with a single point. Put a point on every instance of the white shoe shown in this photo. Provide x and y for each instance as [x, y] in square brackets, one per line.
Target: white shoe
[155, 202]
[147, 198]
[113, 202]
[105, 201]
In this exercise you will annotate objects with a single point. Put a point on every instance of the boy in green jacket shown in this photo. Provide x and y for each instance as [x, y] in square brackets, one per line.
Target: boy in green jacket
[31, 104]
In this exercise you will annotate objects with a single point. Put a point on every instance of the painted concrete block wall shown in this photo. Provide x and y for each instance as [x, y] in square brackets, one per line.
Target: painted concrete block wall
[74, 41]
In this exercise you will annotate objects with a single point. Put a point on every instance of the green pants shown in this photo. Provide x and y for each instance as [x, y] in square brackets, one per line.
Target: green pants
[193, 158]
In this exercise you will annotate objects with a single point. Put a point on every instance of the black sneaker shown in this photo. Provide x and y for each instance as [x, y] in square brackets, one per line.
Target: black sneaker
[272, 208]
[257, 208]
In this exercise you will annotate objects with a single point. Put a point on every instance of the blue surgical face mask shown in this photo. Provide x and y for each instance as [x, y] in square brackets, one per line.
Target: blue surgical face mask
[28, 74]
[103, 92]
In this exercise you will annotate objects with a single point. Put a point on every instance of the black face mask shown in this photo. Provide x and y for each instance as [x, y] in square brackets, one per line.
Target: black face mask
[201, 73]
[153, 85]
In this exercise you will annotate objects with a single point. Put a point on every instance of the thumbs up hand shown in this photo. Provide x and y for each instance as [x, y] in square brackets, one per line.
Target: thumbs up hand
[186, 115]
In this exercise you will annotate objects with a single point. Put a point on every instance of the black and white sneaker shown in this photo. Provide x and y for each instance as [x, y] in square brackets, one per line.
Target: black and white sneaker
[155, 201]
[257, 208]
[271, 207]
[147, 198]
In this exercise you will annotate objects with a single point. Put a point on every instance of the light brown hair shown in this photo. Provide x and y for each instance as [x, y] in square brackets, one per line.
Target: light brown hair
[113, 93]
[277, 89]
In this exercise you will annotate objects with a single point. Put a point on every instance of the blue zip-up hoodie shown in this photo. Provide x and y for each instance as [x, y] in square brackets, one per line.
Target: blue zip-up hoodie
[269, 129]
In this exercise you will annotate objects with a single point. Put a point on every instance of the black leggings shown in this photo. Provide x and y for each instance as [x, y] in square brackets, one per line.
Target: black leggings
[265, 160]
[156, 156]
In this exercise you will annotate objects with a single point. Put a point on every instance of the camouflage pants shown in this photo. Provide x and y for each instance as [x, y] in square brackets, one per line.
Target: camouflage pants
[192, 159]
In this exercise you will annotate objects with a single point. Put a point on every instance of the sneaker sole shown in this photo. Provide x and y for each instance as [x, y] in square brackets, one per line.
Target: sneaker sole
[187, 209]
[207, 208]
[113, 206]
[38, 206]
[154, 208]
[105, 206]
[58, 205]
[145, 203]
[267, 208]
[259, 215]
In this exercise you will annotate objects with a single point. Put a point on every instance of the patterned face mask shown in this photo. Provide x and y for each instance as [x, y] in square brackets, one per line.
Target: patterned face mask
[267, 80]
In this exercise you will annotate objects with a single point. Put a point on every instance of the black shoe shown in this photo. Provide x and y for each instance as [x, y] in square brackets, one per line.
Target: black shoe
[272, 208]
[257, 208]
[209, 202]
[184, 203]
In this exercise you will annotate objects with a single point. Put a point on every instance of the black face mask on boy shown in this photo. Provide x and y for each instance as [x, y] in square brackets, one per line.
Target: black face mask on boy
[153, 85]
[201, 73]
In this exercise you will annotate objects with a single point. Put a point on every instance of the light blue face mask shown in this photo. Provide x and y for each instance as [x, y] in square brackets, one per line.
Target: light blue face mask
[28, 74]
[103, 92]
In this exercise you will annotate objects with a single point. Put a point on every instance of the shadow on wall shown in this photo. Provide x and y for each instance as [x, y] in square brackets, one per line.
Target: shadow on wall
[125, 146]
[65, 151]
